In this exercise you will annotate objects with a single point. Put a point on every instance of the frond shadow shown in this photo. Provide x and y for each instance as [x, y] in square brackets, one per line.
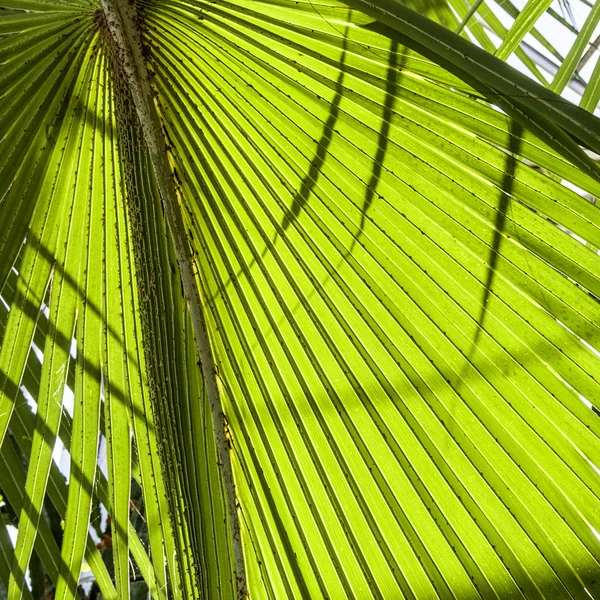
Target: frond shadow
[514, 145]
[48, 256]
[392, 83]
[15, 214]
[391, 88]
[310, 180]
[312, 177]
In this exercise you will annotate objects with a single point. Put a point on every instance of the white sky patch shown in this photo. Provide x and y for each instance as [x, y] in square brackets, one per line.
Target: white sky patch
[64, 464]
[86, 581]
[12, 534]
[573, 187]
[93, 534]
[68, 400]
[61, 457]
[102, 456]
[590, 347]
[588, 68]
[103, 517]
[29, 398]
[6, 306]
[45, 310]
[560, 37]
[57, 455]
[73, 351]
[38, 353]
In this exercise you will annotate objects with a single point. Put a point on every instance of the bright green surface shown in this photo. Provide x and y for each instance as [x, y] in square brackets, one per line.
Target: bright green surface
[404, 329]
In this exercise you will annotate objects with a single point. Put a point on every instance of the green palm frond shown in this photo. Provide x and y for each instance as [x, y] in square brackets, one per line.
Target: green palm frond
[63, 192]
[527, 35]
[385, 375]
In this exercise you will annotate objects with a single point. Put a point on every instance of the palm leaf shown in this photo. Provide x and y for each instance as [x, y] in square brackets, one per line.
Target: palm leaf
[73, 160]
[384, 299]
[399, 285]
[529, 37]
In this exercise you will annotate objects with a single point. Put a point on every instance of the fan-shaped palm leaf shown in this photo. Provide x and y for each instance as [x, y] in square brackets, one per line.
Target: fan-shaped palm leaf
[390, 285]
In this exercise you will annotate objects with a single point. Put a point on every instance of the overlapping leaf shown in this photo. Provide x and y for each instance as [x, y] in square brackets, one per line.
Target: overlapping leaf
[404, 310]
[526, 33]
[74, 292]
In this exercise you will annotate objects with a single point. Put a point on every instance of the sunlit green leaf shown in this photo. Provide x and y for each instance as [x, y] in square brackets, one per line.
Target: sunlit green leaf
[396, 257]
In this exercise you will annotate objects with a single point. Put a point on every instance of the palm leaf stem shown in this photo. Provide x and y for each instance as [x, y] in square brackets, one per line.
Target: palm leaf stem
[122, 24]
